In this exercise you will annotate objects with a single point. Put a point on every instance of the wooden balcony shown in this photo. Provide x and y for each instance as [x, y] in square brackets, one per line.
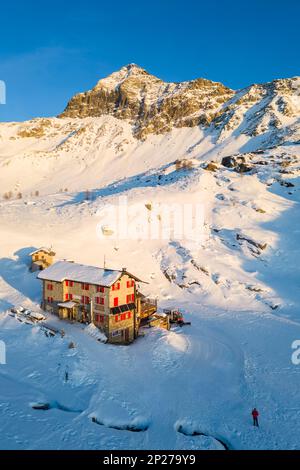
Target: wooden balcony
[145, 306]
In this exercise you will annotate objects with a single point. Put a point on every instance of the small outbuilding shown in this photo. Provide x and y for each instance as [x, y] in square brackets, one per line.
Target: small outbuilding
[41, 258]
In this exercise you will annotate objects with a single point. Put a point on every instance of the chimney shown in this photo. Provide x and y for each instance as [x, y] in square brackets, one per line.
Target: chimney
[124, 270]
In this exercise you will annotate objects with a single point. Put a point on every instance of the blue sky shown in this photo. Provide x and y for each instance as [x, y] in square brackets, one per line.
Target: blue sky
[52, 50]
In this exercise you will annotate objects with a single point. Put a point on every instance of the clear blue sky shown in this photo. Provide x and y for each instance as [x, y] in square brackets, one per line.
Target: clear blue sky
[52, 50]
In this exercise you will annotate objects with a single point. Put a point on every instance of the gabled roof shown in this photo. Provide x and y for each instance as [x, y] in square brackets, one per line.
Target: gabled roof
[66, 270]
[43, 248]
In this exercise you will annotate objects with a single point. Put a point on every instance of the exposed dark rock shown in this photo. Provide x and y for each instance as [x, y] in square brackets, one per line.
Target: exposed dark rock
[242, 168]
[260, 246]
[211, 167]
[229, 162]
[287, 184]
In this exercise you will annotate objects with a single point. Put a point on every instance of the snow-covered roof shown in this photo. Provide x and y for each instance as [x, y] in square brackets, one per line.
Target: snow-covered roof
[68, 304]
[62, 270]
[43, 248]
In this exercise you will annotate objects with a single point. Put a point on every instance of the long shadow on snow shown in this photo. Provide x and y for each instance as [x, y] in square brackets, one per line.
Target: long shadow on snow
[15, 272]
[280, 270]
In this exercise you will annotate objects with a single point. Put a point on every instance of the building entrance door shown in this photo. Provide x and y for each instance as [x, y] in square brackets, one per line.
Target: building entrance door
[126, 335]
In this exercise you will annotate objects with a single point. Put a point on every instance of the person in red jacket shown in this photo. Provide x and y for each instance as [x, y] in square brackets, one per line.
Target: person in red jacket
[255, 415]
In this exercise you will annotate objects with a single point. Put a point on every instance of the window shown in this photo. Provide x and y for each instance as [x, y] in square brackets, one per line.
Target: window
[49, 286]
[116, 301]
[85, 300]
[129, 298]
[50, 300]
[85, 286]
[116, 286]
[69, 283]
[100, 289]
[100, 300]
[69, 296]
[123, 316]
[130, 283]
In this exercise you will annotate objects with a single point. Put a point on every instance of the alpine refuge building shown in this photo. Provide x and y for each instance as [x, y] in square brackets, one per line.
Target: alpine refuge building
[108, 298]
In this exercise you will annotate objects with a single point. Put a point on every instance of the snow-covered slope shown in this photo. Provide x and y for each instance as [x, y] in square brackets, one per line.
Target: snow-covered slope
[132, 122]
[238, 282]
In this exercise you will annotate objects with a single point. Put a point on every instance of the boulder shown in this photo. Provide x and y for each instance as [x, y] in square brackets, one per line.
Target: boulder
[229, 162]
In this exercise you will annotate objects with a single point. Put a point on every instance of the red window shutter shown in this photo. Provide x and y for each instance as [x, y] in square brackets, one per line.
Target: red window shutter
[82, 286]
[67, 297]
[102, 300]
[128, 298]
[123, 316]
[132, 283]
[97, 317]
[129, 315]
[116, 301]
[87, 300]
[67, 283]
[71, 283]
[71, 296]
[87, 286]
[82, 299]
[128, 284]
[101, 318]
[132, 297]
[117, 318]
[119, 286]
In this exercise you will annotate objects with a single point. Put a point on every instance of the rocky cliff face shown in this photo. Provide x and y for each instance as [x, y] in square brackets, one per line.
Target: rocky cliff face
[154, 106]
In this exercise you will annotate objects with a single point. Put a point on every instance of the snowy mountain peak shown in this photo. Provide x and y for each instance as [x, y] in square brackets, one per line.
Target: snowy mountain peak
[116, 78]
[150, 104]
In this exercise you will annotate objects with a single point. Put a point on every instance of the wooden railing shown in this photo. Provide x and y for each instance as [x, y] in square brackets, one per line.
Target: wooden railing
[146, 307]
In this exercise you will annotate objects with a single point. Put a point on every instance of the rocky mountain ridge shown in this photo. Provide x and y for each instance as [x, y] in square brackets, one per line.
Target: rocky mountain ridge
[156, 107]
